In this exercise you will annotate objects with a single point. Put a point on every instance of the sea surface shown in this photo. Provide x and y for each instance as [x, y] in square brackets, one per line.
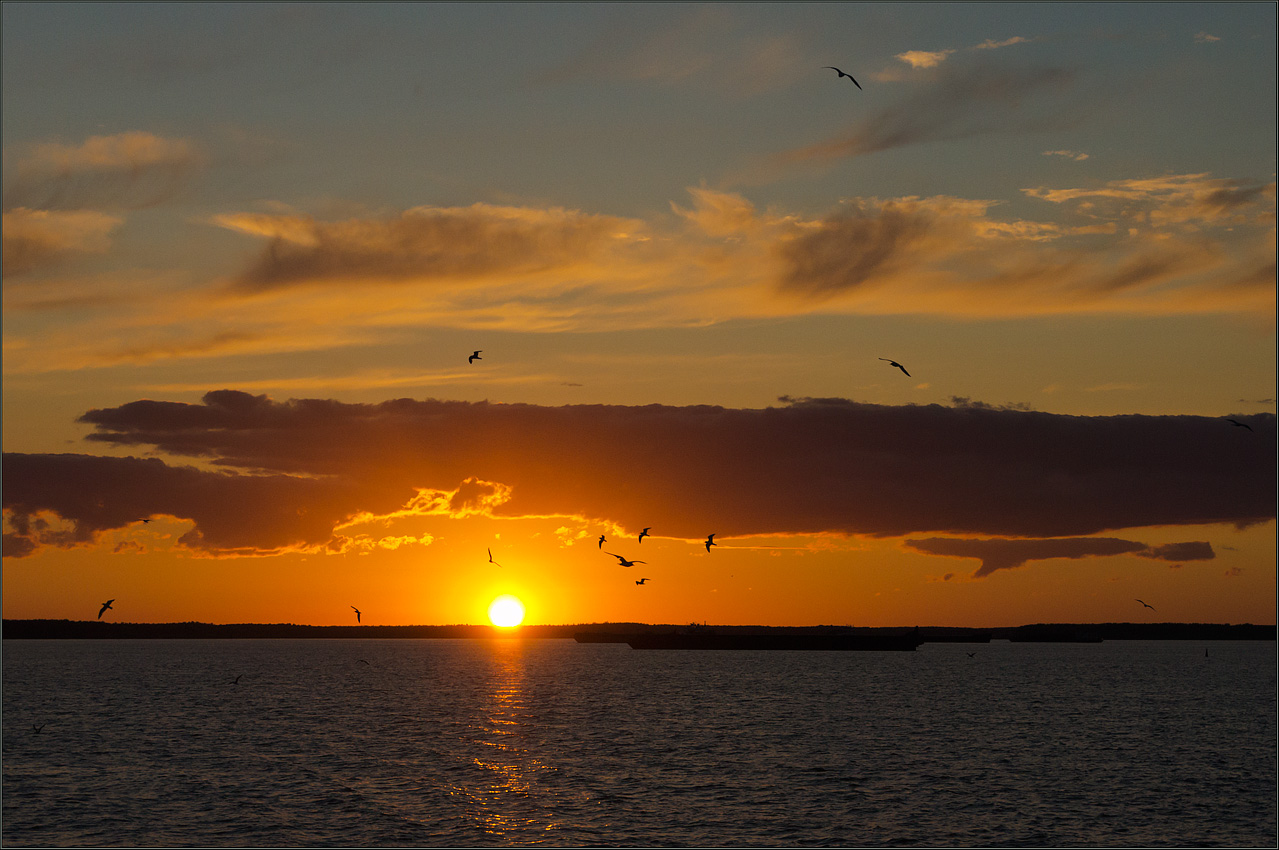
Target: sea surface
[384, 743]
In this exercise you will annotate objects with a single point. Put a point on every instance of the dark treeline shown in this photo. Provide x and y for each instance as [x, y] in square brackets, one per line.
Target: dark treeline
[91, 629]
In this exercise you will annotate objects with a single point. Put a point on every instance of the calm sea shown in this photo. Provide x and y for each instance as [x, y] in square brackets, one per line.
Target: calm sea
[507, 742]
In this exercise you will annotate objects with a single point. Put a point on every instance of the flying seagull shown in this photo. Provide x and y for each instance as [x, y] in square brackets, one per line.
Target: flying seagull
[1151, 607]
[710, 541]
[842, 74]
[475, 356]
[641, 581]
[491, 561]
[362, 661]
[1238, 423]
[644, 534]
[236, 680]
[357, 613]
[895, 363]
[145, 521]
[625, 562]
[36, 729]
[105, 606]
[602, 541]
[971, 654]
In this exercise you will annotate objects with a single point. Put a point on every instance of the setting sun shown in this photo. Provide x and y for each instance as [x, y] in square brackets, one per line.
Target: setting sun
[506, 611]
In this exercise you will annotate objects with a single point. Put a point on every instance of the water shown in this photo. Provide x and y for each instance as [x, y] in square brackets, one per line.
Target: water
[445, 743]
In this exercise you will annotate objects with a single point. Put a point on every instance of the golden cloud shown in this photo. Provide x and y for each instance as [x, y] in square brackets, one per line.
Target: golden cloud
[36, 238]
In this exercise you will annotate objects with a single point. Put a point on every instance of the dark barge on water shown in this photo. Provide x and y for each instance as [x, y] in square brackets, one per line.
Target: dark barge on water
[713, 640]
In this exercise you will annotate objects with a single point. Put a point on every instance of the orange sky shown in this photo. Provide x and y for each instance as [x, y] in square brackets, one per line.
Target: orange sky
[248, 250]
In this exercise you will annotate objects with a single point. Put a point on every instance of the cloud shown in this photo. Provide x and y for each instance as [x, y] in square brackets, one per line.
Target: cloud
[424, 243]
[1004, 554]
[1075, 155]
[299, 470]
[35, 239]
[1185, 201]
[972, 100]
[125, 171]
[1206, 38]
[924, 58]
[704, 48]
[991, 44]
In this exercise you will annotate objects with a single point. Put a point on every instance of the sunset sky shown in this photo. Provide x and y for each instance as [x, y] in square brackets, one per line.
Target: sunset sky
[249, 248]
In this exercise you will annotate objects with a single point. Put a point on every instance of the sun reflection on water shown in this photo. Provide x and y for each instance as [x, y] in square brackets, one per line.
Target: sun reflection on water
[510, 796]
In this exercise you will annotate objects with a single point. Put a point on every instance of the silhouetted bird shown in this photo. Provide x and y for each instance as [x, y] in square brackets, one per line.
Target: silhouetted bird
[971, 654]
[1238, 423]
[842, 74]
[644, 534]
[236, 680]
[145, 521]
[1151, 607]
[710, 541]
[105, 606]
[357, 613]
[36, 729]
[362, 661]
[641, 581]
[475, 356]
[895, 363]
[601, 541]
[491, 561]
[625, 562]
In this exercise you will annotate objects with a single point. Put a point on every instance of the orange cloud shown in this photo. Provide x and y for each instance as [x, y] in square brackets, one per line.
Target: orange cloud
[425, 243]
[128, 170]
[34, 239]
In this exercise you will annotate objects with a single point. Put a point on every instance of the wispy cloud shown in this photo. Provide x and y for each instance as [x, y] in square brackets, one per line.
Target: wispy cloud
[124, 171]
[424, 243]
[1075, 155]
[34, 239]
[1202, 37]
[924, 58]
[308, 467]
[971, 100]
[992, 44]
[703, 48]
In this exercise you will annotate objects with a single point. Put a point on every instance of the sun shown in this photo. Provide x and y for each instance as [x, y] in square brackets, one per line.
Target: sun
[506, 611]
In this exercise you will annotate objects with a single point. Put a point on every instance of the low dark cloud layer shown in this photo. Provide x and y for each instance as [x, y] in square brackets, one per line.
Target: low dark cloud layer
[1002, 554]
[303, 466]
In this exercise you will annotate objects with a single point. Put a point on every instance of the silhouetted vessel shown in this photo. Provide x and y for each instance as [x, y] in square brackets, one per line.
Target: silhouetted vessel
[706, 639]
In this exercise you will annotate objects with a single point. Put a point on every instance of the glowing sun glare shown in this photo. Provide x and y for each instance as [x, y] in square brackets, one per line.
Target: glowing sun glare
[506, 611]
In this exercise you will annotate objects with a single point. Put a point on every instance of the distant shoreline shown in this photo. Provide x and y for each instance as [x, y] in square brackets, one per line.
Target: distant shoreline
[97, 630]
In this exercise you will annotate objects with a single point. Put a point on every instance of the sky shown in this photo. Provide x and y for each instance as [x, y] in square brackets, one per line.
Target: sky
[249, 249]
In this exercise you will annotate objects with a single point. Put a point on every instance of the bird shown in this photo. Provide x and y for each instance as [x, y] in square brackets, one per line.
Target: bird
[1151, 607]
[357, 613]
[710, 541]
[491, 561]
[145, 521]
[602, 541]
[362, 661]
[1238, 423]
[842, 74]
[105, 606]
[971, 654]
[895, 363]
[36, 729]
[625, 562]
[644, 533]
[641, 581]
[236, 680]
[475, 356]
